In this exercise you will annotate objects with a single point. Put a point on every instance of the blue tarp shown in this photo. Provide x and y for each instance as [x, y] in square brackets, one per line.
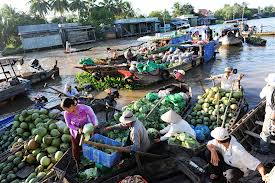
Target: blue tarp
[209, 51]
[180, 39]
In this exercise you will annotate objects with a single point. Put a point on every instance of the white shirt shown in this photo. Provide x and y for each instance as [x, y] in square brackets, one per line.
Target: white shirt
[176, 128]
[71, 93]
[236, 156]
[226, 83]
[267, 94]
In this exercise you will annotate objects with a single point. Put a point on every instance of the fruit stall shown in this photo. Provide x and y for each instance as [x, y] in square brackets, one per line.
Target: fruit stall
[30, 147]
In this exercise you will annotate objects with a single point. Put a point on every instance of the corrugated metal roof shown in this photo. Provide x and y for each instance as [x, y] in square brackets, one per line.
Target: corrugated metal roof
[37, 28]
[136, 20]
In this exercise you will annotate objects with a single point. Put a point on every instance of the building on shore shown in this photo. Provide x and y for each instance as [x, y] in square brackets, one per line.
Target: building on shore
[54, 35]
[137, 26]
[192, 19]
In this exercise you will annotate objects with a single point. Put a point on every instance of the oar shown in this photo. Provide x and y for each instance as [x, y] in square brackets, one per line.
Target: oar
[225, 113]
[119, 149]
[60, 92]
[155, 107]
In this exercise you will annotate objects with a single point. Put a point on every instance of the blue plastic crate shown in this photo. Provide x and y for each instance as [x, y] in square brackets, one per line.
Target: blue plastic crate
[101, 157]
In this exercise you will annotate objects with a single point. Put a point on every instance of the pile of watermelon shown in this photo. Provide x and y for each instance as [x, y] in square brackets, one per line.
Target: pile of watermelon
[211, 106]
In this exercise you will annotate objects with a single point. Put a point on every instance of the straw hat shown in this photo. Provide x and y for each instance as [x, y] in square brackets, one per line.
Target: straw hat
[171, 117]
[220, 133]
[228, 69]
[181, 72]
[270, 79]
[127, 117]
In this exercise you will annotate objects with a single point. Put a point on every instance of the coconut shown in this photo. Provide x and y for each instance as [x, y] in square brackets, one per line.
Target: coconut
[32, 144]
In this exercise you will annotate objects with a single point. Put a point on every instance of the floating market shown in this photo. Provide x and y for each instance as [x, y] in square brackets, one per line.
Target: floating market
[161, 107]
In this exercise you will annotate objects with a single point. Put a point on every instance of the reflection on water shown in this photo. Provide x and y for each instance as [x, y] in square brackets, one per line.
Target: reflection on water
[254, 62]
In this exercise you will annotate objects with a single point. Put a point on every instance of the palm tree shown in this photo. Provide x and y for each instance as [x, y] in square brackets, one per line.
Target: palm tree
[78, 5]
[108, 4]
[39, 7]
[59, 6]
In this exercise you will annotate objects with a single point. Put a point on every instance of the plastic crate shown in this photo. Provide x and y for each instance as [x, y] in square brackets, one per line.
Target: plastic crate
[101, 157]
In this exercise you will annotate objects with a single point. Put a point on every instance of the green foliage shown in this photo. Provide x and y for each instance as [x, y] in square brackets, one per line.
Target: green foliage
[11, 51]
[161, 15]
[179, 9]
[10, 20]
[39, 7]
[235, 11]
[106, 82]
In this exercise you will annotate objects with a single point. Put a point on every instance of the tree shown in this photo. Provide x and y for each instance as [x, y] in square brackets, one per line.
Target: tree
[161, 15]
[59, 6]
[179, 9]
[78, 5]
[108, 4]
[39, 7]
[10, 20]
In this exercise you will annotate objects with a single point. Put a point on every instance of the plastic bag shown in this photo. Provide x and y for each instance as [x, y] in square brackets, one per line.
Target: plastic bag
[152, 96]
[86, 61]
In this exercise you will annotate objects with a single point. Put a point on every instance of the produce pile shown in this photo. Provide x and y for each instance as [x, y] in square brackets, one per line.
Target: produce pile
[256, 40]
[184, 140]
[212, 104]
[143, 106]
[106, 82]
[44, 141]
[150, 66]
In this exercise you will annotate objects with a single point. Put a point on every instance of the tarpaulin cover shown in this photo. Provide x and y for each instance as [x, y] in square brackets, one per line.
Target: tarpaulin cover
[181, 39]
[209, 51]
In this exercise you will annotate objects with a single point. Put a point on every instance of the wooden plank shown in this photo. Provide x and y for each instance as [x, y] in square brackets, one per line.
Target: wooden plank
[259, 123]
[257, 136]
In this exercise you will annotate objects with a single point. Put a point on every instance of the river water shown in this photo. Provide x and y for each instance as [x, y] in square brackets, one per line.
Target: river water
[254, 62]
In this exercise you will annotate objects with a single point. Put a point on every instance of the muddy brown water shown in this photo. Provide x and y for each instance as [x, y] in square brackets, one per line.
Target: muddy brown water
[254, 62]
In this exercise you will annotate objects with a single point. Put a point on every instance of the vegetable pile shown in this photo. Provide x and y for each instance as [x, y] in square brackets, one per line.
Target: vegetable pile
[142, 107]
[106, 82]
[184, 140]
[255, 40]
[210, 107]
[44, 143]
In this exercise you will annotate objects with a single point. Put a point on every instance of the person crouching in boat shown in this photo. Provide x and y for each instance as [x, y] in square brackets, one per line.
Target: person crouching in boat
[229, 80]
[268, 92]
[138, 139]
[70, 91]
[228, 158]
[128, 55]
[76, 116]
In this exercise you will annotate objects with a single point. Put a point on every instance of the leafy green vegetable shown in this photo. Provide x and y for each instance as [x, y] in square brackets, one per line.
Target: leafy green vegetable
[106, 82]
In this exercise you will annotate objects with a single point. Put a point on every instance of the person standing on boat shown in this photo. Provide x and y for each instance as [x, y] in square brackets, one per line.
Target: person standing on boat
[138, 139]
[229, 80]
[228, 158]
[76, 116]
[268, 92]
[70, 91]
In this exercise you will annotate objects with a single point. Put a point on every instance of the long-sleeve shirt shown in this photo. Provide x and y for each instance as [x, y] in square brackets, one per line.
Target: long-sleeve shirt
[84, 115]
[71, 93]
[138, 136]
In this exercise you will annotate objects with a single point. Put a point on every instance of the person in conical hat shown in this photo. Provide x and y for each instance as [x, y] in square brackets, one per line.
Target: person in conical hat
[176, 125]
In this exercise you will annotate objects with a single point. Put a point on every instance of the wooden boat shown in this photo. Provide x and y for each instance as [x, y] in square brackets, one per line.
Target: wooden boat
[147, 79]
[260, 33]
[255, 41]
[36, 77]
[104, 70]
[229, 37]
[72, 50]
[9, 91]
[247, 131]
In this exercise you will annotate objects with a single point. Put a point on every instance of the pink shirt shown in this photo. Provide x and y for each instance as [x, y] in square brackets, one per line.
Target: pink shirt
[85, 114]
